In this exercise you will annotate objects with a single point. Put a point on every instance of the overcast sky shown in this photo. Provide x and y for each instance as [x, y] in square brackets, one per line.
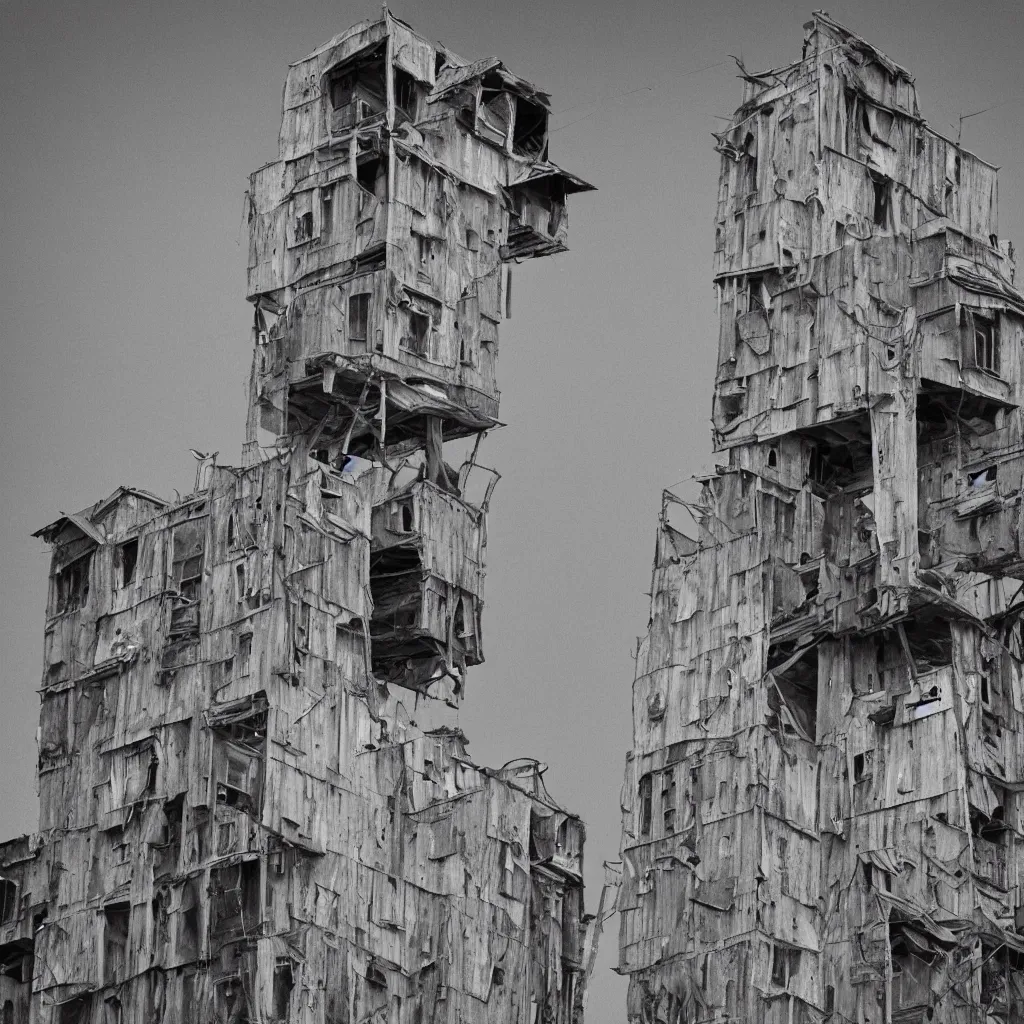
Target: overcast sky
[127, 132]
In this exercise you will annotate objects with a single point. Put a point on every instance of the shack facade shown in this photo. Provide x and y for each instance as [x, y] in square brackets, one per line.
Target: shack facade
[822, 811]
[255, 802]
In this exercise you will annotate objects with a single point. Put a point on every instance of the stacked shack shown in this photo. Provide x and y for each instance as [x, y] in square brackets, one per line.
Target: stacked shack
[823, 806]
[256, 805]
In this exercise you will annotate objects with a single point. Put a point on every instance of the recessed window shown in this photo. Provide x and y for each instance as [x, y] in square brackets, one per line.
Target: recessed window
[71, 585]
[785, 964]
[417, 338]
[8, 900]
[128, 556]
[244, 653]
[304, 227]
[982, 477]
[359, 318]
[986, 343]
[367, 172]
[882, 189]
[645, 805]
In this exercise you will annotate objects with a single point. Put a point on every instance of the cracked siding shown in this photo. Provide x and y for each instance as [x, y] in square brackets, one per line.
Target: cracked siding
[821, 816]
[255, 802]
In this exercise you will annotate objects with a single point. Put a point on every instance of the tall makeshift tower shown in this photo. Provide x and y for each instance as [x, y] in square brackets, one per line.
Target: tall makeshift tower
[255, 801]
[822, 810]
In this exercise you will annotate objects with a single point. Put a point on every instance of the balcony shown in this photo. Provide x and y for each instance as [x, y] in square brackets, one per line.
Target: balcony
[426, 578]
[539, 222]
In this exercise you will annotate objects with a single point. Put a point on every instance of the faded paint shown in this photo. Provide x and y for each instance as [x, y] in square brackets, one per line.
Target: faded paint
[821, 812]
[255, 802]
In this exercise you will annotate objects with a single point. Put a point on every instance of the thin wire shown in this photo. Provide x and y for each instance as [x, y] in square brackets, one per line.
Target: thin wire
[605, 103]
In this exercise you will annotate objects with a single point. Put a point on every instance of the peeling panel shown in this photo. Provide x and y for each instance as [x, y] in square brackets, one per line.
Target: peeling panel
[821, 808]
[255, 800]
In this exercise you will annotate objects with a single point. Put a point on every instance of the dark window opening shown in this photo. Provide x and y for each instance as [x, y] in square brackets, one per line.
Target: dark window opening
[304, 226]
[863, 766]
[358, 91]
[231, 530]
[284, 982]
[459, 625]
[944, 411]
[8, 900]
[498, 976]
[992, 827]
[796, 688]
[875, 877]
[417, 340]
[76, 1011]
[359, 318]
[754, 287]
[837, 460]
[529, 135]
[406, 97]
[406, 518]
[72, 585]
[910, 948]
[646, 792]
[173, 811]
[882, 189]
[129, 557]
[830, 998]
[957, 166]
[367, 172]
[159, 924]
[748, 169]
[924, 549]
[929, 642]
[785, 965]
[115, 941]
[375, 976]
[773, 457]
[730, 406]
[240, 593]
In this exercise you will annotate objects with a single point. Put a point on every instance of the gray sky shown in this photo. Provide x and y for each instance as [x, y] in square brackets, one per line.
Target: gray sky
[128, 130]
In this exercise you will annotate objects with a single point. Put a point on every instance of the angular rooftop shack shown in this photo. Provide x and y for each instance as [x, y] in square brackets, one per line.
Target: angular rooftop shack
[823, 818]
[255, 801]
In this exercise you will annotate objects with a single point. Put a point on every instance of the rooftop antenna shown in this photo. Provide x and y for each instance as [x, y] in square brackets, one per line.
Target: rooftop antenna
[964, 117]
